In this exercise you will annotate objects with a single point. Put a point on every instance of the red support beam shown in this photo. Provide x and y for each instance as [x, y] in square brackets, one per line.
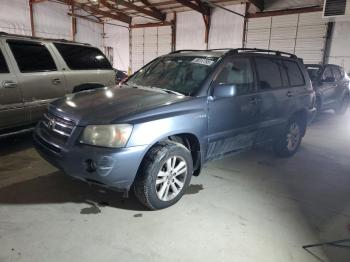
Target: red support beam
[203, 9]
[150, 6]
[31, 13]
[37, 1]
[118, 16]
[165, 23]
[158, 15]
[74, 23]
[285, 12]
[258, 3]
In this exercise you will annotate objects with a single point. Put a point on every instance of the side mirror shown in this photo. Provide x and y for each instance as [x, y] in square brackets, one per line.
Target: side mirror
[328, 79]
[225, 90]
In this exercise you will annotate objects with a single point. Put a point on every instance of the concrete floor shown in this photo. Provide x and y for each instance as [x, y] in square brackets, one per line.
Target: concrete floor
[251, 207]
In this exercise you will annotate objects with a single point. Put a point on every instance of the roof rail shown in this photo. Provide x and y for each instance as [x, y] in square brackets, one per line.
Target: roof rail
[40, 38]
[238, 50]
[201, 50]
[258, 50]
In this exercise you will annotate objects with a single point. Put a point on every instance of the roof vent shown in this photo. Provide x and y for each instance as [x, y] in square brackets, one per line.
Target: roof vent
[334, 8]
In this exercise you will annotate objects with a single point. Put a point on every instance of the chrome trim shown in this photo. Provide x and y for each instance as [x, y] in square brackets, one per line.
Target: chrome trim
[50, 143]
[22, 131]
[55, 130]
[57, 122]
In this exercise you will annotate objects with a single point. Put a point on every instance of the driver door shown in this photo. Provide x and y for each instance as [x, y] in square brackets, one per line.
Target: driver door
[233, 121]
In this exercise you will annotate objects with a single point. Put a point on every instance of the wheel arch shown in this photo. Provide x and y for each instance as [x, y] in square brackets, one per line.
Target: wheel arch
[190, 141]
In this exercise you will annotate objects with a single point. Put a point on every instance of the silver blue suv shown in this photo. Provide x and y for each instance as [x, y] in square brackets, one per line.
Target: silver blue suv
[175, 114]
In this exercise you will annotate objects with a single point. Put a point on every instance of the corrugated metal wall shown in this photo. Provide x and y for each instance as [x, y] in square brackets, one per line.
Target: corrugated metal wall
[300, 34]
[149, 43]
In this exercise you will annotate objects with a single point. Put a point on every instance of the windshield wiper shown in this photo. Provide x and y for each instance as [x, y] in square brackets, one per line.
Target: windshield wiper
[168, 91]
[171, 92]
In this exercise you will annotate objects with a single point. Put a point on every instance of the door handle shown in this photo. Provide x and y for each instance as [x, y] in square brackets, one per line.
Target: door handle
[56, 81]
[289, 94]
[9, 84]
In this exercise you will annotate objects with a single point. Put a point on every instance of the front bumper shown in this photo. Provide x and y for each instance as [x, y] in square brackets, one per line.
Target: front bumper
[113, 168]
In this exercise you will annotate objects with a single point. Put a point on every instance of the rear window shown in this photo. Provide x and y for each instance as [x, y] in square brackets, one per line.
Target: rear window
[295, 75]
[269, 73]
[83, 57]
[32, 56]
[3, 65]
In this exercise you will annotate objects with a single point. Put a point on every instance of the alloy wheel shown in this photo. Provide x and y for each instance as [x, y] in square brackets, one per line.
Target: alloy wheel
[171, 178]
[293, 137]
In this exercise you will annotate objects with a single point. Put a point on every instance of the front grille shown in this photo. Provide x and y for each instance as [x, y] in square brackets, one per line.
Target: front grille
[55, 130]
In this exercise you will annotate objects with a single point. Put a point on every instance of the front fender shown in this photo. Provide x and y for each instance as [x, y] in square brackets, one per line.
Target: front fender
[149, 133]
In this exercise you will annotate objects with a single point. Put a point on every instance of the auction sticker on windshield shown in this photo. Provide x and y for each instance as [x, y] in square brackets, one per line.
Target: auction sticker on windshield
[203, 61]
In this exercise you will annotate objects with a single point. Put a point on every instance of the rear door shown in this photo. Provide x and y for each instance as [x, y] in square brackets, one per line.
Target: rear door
[327, 87]
[86, 67]
[341, 84]
[38, 76]
[276, 96]
[233, 121]
[11, 105]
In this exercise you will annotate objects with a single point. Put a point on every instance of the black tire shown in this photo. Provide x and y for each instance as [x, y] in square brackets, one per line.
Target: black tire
[282, 147]
[145, 187]
[343, 107]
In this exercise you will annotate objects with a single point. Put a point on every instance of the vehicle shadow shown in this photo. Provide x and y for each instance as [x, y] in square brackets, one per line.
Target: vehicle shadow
[58, 188]
[16, 143]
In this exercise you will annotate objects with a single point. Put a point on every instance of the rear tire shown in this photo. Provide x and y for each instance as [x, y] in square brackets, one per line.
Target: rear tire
[164, 175]
[343, 107]
[290, 141]
[318, 107]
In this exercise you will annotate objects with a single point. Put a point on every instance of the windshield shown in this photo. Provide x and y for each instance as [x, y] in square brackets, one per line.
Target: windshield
[314, 72]
[182, 74]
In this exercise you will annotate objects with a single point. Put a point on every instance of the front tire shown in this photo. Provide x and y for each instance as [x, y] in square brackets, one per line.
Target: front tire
[290, 141]
[164, 175]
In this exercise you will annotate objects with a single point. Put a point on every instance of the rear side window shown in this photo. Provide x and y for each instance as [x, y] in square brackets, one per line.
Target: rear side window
[295, 75]
[238, 71]
[3, 65]
[268, 73]
[83, 57]
[32, 56]
[327, 74]
[336, 73]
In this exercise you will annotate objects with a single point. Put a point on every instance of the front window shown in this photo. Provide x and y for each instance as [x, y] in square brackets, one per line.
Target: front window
[182, 74]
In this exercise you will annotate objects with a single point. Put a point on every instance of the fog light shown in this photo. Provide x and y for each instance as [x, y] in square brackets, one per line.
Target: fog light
[90, 165]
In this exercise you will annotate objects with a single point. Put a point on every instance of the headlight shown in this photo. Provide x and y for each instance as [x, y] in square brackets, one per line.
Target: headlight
[107, 135]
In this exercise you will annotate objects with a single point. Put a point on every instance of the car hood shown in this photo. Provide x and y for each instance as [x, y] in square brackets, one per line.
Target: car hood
[108, 105]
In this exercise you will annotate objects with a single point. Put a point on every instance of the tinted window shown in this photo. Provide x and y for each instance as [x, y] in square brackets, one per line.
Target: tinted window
[3, 65]
[269, 73]
[314, 72]
[327, 73]
[295, 75]
[237, 72]
[283, 70]
[79, 57]
[336, 73]
[32, 56]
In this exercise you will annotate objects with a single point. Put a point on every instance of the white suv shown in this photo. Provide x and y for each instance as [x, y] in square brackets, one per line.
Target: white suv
[35, 71]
